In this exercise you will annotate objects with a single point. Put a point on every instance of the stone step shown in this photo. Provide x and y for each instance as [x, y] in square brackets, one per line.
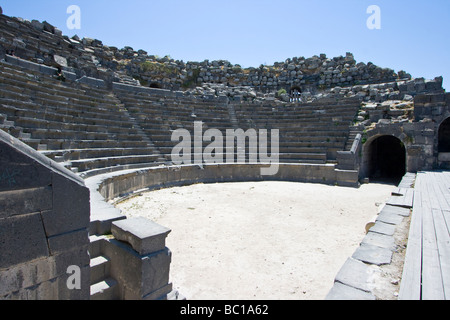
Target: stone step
[59, 144]
[22, 106]
[100, 268]
[78, 154]
[13, 88]
[89, 164]
[312, 140]
[96, 245]
[81, 135]
[31, 123]
[29, 80]
[105, 290]
[132, 166]
[31, 110]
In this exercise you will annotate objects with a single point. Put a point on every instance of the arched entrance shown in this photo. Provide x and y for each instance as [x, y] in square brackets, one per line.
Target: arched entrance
[155, 85]
[444, 136]
[295, 94]
[386, 157]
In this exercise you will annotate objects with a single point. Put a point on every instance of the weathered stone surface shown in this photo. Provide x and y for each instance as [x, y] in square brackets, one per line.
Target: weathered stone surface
[383, 228]
[44, 228]
[405, 212]
[380, 240]
[138, 276]
[343, 292]
[372, 254]
[68, 241]
[18, 202]
[143, 235]
[67, 215]
[22, 238]
[61, 61]
[356, 274]
[390, 217]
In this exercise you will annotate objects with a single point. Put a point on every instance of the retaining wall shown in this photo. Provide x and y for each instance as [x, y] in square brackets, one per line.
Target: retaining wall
[44, 221]
[163, 177]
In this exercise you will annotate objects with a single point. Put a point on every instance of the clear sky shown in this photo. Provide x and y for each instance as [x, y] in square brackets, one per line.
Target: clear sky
[414, 35]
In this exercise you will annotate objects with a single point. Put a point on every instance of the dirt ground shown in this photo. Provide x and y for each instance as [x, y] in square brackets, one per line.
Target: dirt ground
[259, 240]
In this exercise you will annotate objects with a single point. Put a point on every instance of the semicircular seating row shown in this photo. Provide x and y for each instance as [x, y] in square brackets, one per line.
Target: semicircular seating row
[92, 130]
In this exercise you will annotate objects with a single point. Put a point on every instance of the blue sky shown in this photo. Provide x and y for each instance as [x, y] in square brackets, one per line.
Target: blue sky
[414, 35]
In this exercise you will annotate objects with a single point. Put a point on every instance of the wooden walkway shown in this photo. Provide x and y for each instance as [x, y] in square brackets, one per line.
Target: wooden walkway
[426, 272]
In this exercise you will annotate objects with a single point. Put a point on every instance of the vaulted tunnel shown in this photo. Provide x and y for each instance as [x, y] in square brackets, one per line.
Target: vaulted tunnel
[386, 159]
[444, 136]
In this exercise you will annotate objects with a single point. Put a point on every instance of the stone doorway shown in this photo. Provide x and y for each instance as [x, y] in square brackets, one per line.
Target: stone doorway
[386, 156]
[444, 136]
[444, 144]
[295, 94]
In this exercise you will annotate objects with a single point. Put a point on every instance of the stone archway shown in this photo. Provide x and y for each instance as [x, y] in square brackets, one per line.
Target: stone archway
[386, 159]
[444, 144]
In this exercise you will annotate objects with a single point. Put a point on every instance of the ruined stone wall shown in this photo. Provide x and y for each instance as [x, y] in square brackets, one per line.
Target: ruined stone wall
[419, 135]
[43, 43]
[44, 220]
[434, 109]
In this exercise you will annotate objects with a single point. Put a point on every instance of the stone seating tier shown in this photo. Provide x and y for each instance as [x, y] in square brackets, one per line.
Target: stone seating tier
[87, 128]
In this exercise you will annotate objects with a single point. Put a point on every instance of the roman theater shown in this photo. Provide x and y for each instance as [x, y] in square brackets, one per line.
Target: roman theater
[128, 176]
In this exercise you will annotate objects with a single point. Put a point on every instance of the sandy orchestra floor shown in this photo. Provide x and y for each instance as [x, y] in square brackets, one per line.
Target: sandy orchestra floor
[259, 240]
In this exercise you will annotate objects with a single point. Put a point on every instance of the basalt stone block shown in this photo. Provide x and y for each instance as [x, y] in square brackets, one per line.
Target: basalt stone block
[68, 241]
[138, 276]
[94, 82]
[83, 293]
[2, 52]
[71, 207]
[19, 172]
[27, 275]
[48, 27]
[155, 271]
[145, 236]
[22, 238]
[17, 202]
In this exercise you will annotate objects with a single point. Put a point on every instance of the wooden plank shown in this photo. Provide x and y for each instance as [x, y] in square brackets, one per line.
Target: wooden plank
[409, 197]
[444, 188]
[441, 219]
[443, 245]
[432, 283]
[410, 287]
